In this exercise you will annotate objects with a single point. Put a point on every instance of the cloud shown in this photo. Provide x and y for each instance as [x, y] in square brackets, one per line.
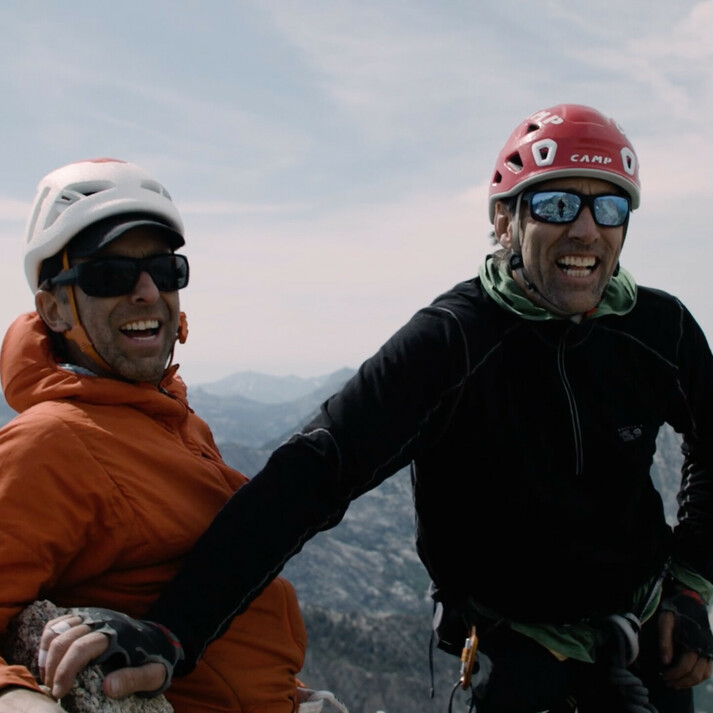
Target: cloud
[688, 40]
[666, 69]
[391, 72]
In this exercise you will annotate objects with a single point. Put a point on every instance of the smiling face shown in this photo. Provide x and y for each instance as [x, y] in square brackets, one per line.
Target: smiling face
[570, 264]
[133, 333]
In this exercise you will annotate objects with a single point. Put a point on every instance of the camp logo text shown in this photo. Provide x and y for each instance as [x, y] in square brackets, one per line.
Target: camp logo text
[584, 158]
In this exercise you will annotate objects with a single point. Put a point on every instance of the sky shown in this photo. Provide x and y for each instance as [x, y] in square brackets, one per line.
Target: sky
[331, 158]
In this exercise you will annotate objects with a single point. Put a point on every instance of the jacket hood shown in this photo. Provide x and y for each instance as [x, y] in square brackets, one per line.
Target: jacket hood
[30, 375]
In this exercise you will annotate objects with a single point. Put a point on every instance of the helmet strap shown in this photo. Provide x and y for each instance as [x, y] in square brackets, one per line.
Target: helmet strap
[77, 333]
[517, 265]
[516, 248]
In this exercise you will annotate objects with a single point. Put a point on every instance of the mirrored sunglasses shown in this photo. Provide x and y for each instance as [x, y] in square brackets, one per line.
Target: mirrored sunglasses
[608, 210]
[115, 276]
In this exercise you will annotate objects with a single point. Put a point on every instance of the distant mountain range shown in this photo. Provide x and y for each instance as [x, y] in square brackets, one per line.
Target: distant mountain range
[267, 389]
[245, 408]
[362, 587]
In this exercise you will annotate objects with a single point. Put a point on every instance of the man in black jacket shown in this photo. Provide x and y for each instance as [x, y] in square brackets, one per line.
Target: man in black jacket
[528, 400]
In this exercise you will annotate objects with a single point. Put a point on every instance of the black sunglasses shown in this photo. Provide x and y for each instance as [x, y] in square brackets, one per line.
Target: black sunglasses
[115, 276]
[608, 210]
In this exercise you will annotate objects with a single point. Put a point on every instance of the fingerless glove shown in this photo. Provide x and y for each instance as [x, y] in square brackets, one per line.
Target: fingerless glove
[692, 630]
[132, 642]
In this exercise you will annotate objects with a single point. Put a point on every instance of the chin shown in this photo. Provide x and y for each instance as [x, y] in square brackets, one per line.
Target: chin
[150, 374]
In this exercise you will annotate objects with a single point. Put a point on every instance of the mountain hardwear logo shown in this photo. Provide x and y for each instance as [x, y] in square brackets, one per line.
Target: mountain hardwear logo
[630, 433]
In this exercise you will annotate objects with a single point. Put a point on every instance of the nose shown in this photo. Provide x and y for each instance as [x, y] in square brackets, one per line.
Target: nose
[145, 289]
[584, 228]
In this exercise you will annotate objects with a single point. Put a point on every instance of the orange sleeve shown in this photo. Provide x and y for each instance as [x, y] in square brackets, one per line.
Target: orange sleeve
[16, 676]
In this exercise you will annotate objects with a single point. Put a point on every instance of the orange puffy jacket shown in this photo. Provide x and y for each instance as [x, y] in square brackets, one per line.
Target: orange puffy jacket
[104, 487]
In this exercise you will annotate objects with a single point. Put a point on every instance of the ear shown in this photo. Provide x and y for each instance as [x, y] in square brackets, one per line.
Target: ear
[54, 313]
[502, 225]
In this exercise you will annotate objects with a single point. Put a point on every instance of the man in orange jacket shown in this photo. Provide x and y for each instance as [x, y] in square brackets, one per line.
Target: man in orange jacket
[107, 477]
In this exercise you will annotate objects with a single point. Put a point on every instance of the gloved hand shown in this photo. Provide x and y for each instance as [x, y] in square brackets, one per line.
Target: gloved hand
[692, 630]
[132, 642]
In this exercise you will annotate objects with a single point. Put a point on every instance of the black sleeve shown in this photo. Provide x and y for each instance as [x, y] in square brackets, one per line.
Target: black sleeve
[395, 405]
[693, 535]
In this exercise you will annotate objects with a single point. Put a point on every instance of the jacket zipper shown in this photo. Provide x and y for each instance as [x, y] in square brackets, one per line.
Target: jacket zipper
[574, 416]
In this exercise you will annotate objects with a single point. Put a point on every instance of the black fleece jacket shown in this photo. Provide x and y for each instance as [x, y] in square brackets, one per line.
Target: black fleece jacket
[531, 441]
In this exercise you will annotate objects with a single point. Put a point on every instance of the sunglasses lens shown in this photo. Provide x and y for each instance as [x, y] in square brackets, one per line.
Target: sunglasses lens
[113, 277]
[169, 272]
[555, 206]
[611, 211]
[108, 278]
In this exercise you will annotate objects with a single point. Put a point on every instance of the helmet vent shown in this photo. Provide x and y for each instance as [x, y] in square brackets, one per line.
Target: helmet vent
[72, 194]
[532, 127]
[39, 202]
[514, 162]
[156, 188]
[76, 191]
[629, 160]
[67, 197]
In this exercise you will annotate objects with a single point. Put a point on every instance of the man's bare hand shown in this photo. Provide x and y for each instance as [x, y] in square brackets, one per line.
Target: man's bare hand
[24, 700]
[690, 668]
[67, 647]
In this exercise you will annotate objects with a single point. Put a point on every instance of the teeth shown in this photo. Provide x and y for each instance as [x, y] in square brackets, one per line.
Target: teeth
[140, 326]
[576, 261]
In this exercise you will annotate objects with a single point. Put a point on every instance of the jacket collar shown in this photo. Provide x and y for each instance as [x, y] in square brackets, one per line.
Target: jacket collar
[30, 375]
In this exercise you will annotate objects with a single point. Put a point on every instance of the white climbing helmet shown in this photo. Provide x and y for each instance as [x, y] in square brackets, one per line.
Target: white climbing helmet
[76, 195]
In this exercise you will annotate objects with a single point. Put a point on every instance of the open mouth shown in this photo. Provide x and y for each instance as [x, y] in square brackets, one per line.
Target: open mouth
[142, 329]
[576, 266]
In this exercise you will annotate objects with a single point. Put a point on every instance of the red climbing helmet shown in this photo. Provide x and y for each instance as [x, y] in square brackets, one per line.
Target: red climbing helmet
[565, 140]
